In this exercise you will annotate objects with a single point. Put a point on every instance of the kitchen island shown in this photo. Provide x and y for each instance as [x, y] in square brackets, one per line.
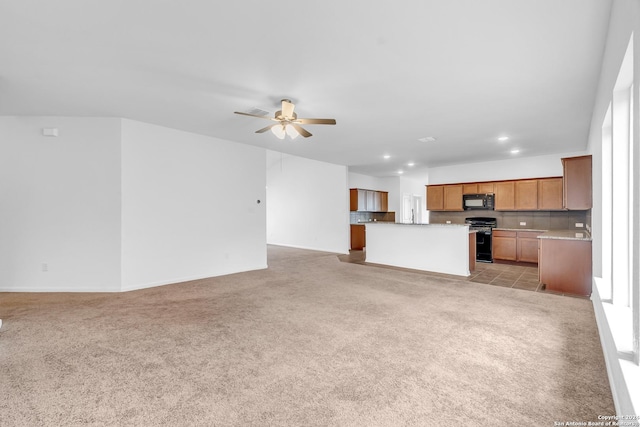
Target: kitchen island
[565, 263]
[440, 248]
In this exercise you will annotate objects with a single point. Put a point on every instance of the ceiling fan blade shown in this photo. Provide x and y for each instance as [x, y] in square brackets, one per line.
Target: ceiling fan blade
[267, 128]
[316, 121]
[301, 130]
[287, 108]
[254, 115]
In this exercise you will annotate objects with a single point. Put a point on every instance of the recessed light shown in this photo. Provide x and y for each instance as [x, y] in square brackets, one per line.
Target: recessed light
[515, 151]
[386, 156]
[427, 139]
[503, 138]
[400, 172]
[411, 164]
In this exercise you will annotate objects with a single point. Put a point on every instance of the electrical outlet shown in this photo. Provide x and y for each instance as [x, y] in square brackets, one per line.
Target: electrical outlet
[579, 225]
[45, 266]
[448, 222]
[523, 223]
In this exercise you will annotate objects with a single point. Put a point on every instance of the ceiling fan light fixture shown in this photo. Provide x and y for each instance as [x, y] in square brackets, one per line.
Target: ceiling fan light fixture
[291, 131]
[288, 122]
[278, 131]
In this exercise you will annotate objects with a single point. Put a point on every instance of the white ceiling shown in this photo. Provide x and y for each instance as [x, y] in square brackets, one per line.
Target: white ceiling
[463, 71]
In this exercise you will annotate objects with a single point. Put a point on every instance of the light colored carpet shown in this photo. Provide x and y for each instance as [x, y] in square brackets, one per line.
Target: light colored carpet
[310, 341]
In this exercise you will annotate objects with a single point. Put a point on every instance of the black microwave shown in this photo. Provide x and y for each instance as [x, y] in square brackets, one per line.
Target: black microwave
[478, 202]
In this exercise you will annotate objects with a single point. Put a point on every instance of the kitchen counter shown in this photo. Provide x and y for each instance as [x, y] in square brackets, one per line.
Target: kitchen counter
[566, 235]
[577, 234]
[520, 229]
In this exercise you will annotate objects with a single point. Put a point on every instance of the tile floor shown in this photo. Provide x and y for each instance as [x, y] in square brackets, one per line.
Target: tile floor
[509, 275]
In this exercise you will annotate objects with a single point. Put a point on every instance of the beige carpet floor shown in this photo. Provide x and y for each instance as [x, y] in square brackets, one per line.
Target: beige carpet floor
[311, 341]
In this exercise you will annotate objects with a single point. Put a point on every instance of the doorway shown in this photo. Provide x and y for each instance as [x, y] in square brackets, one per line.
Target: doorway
[411, 209]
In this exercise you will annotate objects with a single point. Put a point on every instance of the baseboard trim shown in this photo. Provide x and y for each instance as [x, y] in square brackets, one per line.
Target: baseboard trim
[128, 288]
[308, 248]
[177, 280]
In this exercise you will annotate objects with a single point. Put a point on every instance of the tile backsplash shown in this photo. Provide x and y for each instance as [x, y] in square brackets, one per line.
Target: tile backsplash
[537, 220]
[359, 216]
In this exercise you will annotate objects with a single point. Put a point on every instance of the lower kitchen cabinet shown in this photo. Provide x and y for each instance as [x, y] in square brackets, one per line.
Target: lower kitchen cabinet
[565, 266]
[521, 246]
[528, 246]
[357, 237]
[504, 245]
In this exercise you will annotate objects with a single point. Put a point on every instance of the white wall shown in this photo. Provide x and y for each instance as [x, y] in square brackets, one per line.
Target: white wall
[515, 168]
[307, 203]
[189, 206]
[59, 204]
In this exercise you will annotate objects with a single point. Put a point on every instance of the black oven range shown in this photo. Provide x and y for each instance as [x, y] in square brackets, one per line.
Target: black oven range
[484, 227]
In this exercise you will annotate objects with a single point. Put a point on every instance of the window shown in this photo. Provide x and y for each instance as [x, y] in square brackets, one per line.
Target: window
[621, 213]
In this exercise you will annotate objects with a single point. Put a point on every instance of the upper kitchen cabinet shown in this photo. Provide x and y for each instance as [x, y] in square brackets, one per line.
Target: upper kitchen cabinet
[435, 197]
[384, 201]
[550, 194]
[453, 197]
[470, 189]
[526, 195]
[505, 192]
[577, 182]
[368, 200]
[486, 187]
[477, 188]
[444, 197]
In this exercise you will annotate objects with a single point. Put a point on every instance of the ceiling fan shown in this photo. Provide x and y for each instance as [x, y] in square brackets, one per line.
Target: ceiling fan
[288, 122]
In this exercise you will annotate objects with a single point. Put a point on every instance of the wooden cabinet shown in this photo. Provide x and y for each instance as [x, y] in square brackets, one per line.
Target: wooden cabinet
[470, 189]
[514, 195]
[355, 199]
[453, 197]
[472, 251]
[577, 182]
[565, 266]
[444, 197]
[357, 237]
[504, 245]
[384, 201]
[477, 188]
[505, 199]
[485, 187]
[435, 197]
[527, 246]
[368, 200]
[529, 194]
[550, 194]
[526, 194]
[519, 246]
